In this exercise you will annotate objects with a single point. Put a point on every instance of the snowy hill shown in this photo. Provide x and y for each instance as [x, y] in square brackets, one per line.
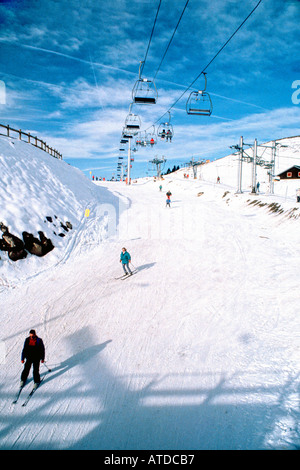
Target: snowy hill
[34, 186]
[287, 155]
[198, 350]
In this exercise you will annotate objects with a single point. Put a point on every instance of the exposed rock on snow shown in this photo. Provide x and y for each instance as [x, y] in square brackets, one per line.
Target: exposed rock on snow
[18, 249]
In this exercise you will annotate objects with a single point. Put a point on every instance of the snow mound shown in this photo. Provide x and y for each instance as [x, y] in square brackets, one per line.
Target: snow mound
[34, 186]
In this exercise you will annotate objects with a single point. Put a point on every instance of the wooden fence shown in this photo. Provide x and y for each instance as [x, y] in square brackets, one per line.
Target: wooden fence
[32, 140]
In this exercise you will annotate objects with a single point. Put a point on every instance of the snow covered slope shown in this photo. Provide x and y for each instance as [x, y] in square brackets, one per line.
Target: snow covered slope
[198, 350]
[33, 186]
[287, 155]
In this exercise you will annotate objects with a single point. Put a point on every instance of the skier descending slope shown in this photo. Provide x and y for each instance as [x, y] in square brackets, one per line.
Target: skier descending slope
[168, 201]
[33, 352]
[125, 259]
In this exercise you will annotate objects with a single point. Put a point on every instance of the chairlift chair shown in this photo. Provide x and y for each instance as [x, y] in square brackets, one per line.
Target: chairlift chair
[132, 122]
[199, 102]
[151, 137]
[151, 141]
[138, 139]
[144, 90]
[127, 134]
[165, 130]
[141, 139]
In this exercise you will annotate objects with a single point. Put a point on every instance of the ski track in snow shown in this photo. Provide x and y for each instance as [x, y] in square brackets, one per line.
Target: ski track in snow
[198, 350]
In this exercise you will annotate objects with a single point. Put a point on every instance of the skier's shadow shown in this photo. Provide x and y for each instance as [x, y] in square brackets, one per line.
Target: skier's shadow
[145, 266]
[79, 358]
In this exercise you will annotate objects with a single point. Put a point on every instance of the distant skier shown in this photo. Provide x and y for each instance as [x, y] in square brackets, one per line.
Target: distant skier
[34, 352]
[168, 201]
[298, 194]
[125, 259]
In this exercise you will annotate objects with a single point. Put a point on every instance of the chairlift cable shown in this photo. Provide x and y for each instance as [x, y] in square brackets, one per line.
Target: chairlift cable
[225, 44]
[210, 62]
[158, 8]
[171, 39]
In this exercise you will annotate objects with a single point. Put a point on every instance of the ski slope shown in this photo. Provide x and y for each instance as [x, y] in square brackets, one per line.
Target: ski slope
[198, 350]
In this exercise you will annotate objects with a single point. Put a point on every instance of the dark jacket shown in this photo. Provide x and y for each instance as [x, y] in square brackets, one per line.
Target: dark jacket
[33, 353]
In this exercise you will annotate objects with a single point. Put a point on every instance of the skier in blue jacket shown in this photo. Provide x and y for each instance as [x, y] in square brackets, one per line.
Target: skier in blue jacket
[125, 259]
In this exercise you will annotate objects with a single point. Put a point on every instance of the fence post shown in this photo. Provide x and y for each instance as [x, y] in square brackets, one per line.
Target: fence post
[43, 145]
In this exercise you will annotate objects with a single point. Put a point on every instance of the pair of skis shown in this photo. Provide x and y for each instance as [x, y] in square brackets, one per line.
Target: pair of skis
[33, 390]
[126, 276]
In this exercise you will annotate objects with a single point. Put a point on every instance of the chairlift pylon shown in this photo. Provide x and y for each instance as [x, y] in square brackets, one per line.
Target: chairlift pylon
[199, 102]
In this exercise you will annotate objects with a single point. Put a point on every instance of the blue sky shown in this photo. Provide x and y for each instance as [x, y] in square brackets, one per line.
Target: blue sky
[69, 68]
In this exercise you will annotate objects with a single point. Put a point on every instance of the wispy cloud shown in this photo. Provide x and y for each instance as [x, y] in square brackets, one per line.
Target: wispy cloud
[75, 65]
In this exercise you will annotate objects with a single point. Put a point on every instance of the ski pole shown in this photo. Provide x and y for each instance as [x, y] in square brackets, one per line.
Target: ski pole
[46, 366]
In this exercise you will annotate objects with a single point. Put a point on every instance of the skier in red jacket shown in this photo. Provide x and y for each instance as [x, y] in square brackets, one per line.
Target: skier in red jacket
[34, 352]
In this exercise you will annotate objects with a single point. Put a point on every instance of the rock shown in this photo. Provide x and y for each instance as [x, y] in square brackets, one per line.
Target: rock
[13, 242]
[35, 246]
[15, 255]
[3, 245]
[64, 227]
[3, 228]
[32, 244]
[18, 249]
[46, 243]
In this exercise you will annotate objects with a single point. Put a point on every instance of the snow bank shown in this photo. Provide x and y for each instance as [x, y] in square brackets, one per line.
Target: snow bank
[35, 185]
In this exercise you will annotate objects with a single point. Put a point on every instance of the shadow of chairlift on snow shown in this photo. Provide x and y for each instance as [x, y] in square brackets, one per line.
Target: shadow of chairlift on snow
[128, 405]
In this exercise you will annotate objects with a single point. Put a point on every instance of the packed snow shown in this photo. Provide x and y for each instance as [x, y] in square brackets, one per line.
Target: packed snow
[197, 350]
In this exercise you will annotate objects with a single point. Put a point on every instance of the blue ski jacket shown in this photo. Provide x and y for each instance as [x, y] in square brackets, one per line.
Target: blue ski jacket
[125, 257]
